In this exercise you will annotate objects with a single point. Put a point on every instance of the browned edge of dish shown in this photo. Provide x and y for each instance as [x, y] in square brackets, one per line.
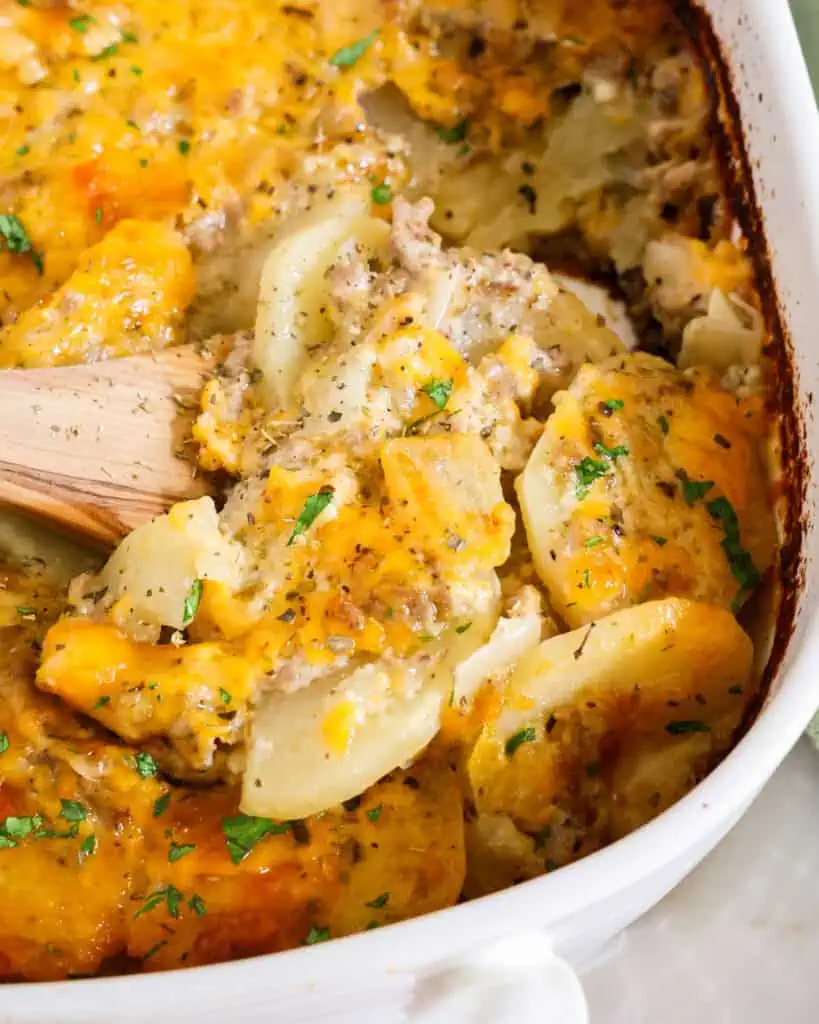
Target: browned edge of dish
[738, 185]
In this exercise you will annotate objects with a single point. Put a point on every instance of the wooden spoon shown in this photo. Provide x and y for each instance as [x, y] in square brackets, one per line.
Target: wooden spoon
[100, 449]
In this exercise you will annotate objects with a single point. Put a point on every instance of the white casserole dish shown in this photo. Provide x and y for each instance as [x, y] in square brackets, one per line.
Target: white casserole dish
[492, 959]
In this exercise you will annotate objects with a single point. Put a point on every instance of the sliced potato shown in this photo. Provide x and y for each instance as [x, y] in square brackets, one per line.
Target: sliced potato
[510, 640]
[647, 482]
[329, 741]
[292, 315]
[446, 490]
[667, 681]
[154, 568]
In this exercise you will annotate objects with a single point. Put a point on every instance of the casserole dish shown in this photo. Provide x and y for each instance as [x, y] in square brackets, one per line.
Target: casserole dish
[574, 912]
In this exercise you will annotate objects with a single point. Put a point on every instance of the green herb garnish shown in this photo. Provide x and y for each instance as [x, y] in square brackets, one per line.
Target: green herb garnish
[197, 905]
[613, 404]
[374, 813]
[587, 471]
[191, 604]
[243, 831]
[463, 627]
[179, 850]
[82, 23]
[169, 894]
[348, 55]
[89, 846]
[681, 728]
[379, 901]
[739, 558]
[519, 738]
[611, 453]
[145, 765]
[457, 133]
[100, 703]
[664, 425]
[381, 194]
[17, 240]
[660, 541]
[693, 490]
[438, 391]
[4, 742]
[313, 508]
[109, 51]
[26, 611]
[316, 934]
[224, 696]
[72, 810]
[161, 804]
[184, 147]
[592, 542]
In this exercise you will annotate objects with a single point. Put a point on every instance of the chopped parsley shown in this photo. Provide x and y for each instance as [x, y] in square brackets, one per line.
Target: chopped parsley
[457, 133]
[660, 541]
[82, 23]
[349, 55]
[4, 742]
[89, 846]
[438, 391]
[169, 895]
[72, 810]
[26, 611]
[179, 850]
[316, 934]
[191, 605]
[381, 194]
[184, 147]
[129, 37]
[15, 828]
[22, 150]
[592, 542]
[145, 765]
[693, 490]
[681, 728]
[613, 404]
[154, 949]
[587, 471]
[17, 240]
[224, 696]
[463, 627]
[313, 508]
[243, 831]
[374, 813]
[109, 51]
[611, 453]
[664, 425]
[100, 703]
[161, 804]
[197, 905]
[379, 901]
[135, 70]
[739, 558]
[518, 739]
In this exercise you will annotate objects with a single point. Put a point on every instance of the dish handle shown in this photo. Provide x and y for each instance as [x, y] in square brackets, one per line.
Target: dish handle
[517, 980]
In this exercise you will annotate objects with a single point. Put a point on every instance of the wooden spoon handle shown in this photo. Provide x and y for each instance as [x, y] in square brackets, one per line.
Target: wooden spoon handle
[100, 449]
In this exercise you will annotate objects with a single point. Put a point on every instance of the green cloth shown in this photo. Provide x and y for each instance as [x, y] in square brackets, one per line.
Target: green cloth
[806, 13]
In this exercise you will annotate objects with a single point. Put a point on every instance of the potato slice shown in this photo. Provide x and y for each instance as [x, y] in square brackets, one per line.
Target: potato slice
[667, 680]
[329, 741]
[154, 568]
[446, 490]
[646, 483]
[292, 315]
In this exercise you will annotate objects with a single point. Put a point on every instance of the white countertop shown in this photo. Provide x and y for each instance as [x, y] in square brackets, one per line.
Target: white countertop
[738, 941]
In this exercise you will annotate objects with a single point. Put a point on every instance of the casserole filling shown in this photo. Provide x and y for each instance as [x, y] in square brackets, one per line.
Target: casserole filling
[480, 582]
